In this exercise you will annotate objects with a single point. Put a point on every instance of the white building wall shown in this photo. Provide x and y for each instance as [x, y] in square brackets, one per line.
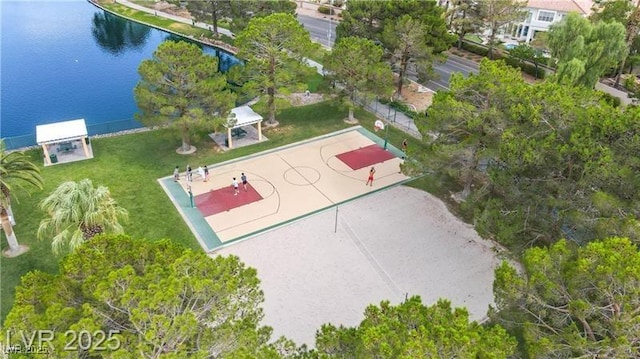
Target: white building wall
[538, 20]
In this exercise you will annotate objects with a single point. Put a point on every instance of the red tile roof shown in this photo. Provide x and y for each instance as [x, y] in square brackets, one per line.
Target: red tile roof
[582, 7]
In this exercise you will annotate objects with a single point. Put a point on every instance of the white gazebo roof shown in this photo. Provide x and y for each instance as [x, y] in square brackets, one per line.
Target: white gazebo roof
[244, 115]
[60, 131]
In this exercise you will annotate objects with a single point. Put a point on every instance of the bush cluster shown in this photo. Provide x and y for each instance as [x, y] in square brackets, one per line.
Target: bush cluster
[630, 84]
[526, 67]
[511, 61]
[610, 99]
[326, 10]
[482, 51]
[400, 106]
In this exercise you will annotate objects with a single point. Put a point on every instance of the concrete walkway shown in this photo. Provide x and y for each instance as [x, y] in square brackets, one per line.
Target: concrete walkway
[623, 96]
[181, 19]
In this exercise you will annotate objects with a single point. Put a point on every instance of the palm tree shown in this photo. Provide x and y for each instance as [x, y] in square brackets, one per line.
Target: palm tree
[16, 170]
[78, 212]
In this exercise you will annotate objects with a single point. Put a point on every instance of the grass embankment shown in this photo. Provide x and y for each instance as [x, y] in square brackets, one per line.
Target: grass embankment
[473, 37]
[130, 166]
[163, 23]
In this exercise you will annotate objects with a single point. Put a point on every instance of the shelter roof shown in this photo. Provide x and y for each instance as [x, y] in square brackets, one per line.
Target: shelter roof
[243, 115]
[582, 7]
[60, 131]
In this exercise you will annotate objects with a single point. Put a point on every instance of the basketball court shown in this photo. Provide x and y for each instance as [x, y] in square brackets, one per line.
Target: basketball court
[284, 185]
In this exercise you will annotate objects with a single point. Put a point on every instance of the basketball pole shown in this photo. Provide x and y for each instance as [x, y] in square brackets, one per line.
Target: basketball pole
[386, 131]
[335, 228]
[190, 195]
[386, 136]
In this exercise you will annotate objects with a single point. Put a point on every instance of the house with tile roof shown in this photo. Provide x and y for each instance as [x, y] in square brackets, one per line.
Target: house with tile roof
[542, 14]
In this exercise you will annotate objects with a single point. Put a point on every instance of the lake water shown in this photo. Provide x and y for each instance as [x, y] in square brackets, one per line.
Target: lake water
[63, 60]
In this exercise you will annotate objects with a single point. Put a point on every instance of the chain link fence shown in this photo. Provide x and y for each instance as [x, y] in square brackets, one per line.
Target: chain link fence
[390, 115]
[29, 140]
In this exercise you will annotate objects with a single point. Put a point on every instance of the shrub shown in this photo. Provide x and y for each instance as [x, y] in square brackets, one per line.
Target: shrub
[530, 69]
[629, 83]
[399, 106]
[526, 67]
[482, 51]
[610, 99]
[325, 10]
[544, 60]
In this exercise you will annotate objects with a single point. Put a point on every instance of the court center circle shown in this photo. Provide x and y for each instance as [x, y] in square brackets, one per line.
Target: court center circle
[302, 176]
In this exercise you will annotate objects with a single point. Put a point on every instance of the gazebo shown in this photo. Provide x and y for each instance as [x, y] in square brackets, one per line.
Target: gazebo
[239, 117]
[61, 141]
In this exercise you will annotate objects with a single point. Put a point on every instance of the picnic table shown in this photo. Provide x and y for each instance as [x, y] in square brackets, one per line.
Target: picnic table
[66, 147]
[238, 132]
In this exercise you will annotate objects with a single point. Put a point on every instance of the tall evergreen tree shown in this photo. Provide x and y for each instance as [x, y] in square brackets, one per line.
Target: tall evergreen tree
[405, 39]
[464, 17]
[242, 11]
[412, 330]
[146, 300]
[464, 125]
[413, 32]
[362, 18]
[574, 302]
[498, 13]
[355, 65]
[274, 48]
[209, 11]
[181, 87]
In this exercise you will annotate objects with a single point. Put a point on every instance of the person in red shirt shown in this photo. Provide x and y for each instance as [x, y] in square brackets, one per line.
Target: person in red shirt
[372, 171]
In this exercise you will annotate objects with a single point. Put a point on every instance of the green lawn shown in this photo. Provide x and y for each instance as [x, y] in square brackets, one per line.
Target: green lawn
[314, 82]
[163, 23]
[130, 165]
[472, 37]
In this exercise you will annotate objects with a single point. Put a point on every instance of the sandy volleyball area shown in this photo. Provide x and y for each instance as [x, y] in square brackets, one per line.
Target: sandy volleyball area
[388, 245]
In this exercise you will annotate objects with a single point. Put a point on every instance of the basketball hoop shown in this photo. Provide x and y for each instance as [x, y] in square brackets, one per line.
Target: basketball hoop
[378, 125]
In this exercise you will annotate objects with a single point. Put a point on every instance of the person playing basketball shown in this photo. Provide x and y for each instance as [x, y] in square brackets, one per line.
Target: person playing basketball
[176, 174]
[372, 171]
[404, 148]
[234, 184]
[243, 178]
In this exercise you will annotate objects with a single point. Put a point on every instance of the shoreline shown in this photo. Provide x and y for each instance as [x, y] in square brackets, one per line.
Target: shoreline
[204, 41]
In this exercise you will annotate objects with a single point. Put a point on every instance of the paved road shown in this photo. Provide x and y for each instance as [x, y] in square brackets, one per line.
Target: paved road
[321, 30]
[444, 70]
